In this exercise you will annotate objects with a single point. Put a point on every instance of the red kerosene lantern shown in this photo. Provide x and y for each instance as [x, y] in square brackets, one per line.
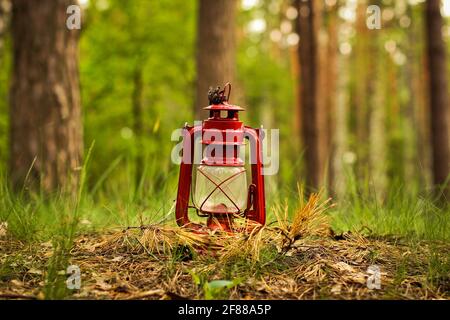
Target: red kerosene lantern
[220, 191]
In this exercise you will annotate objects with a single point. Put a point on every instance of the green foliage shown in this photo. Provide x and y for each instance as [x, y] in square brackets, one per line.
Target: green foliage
[439, 269]
[218, 289]
[154, 37]
[158, 38]
[215, 289]
[5, 70]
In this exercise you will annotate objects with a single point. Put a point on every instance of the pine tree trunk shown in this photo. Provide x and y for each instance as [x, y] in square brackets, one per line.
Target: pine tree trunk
[377, 124]
[45, 112]
[331, 91]
[295, 72]
[395, 143]
[216, 48]
[312, 114]
[439, 98]
[138, 123]
[4, 20]
[362, 81]
[371, 123]
[341, 130]
[411, 123]
[421, 96]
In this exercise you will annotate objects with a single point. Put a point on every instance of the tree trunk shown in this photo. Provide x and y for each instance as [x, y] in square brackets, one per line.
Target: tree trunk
[216, 47]
[362, 81]
[331, 91]
[413, 172]
[312, 114]
[295, 72]
[341, 130]
[421, 97]
[138, 124]
[395, 143]
[377, 125]
[439, 98]
[45, 113]
[4, 20]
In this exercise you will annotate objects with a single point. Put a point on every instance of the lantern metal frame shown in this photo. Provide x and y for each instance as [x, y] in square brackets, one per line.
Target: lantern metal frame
[255, 208]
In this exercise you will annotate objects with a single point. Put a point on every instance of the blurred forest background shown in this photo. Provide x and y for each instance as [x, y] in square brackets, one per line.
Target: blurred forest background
[362, 112]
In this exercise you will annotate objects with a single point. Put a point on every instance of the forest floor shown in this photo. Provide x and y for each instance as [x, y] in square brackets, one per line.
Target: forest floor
[120, 266]
[302, 259]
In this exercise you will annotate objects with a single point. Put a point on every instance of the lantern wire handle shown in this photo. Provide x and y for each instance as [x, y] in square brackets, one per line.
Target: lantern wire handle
[227, 97]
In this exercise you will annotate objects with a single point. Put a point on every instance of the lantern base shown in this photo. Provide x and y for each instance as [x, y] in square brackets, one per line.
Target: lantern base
[222, 222]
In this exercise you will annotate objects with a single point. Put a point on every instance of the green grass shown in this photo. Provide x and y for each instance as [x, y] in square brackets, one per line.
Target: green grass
[38, 217]
[412, 215]
[115, 200]
[438, 272]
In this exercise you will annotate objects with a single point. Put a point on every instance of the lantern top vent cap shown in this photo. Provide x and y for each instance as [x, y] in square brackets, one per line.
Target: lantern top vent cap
[218, 99]
[224, 106]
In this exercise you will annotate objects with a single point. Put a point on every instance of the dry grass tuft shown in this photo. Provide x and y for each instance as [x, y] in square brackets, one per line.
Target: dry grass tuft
[309, 219]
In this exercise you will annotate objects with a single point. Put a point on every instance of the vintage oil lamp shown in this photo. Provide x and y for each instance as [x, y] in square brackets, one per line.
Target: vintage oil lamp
[217, 188]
